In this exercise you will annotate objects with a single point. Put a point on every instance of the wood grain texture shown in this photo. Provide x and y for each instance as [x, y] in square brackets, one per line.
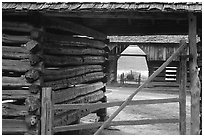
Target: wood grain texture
[64, 83]
[194, 79]
[67, 72]
[79, 90]
[15, 39]
[67, 41]
[15, 65]
[55, 61]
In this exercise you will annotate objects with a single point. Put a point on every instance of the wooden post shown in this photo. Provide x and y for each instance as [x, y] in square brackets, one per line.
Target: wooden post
[46, 111]
[182, 93]
[162, 67]
[115, 67]
[194, 79]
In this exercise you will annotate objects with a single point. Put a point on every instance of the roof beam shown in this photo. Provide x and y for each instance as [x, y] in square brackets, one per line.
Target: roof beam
[120, 14]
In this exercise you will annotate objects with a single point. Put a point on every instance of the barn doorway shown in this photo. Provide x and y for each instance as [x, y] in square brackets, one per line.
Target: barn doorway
[132, 67]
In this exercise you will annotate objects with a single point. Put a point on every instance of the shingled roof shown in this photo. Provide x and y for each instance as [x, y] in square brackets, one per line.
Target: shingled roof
[109, 7]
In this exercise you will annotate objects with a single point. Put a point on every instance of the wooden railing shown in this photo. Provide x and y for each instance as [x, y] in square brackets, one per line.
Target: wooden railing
[48, 107]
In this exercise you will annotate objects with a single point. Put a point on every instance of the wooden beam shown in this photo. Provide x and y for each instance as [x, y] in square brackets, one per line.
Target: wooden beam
[70, 93]
[112, 104]
[68, 72]
[118, 15]
[67, 41]
[16, 26]
[47, 116]
[17, 94]
[194, 79]
[160, 69]
[56, 61]
[182, 93]
[11, 126]
[65, 83]
[113, 123]
[15, 39]
[57, 23]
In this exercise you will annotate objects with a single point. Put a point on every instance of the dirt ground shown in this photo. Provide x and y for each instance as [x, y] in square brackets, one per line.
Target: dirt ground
[141, 112]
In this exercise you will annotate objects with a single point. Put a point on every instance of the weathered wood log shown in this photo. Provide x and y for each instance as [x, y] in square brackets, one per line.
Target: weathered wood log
[61, 73]
[68, 117]
[14, 82]
[73, 41]
[34, 89]
[50, 60]
[32, 45]
[15, 65]
[62, 60]
[32, 103]
[12, 126]
[32, 75]
[12, 49]
[195, 87]
[91, 97]
[35, 59]
[70, 93]
[57, 23]
[16, 26]
[17, 94]
[64, 83]
[65, 50]
[13, 110]
[47, 116]
[15, 39]
[93, 59]
[15, 55]
[31, 120]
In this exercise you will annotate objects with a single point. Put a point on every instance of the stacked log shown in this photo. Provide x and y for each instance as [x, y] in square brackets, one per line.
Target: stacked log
[76, 70]
[21, 78]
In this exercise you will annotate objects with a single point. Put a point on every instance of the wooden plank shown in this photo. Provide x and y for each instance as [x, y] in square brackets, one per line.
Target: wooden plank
[59, 50]
[14, 55]
[70, 93]
[15, 39]
[113, 123]
[17, 94]
[14, 82]
[14, 126]
[47, 116]
[88, 98]
[182, 94]
[64, 83]
[182, 46]
[65, 117]
[14, 110]
[61, 73]
[16, 26]
[15, 65]
[12, 49]
[194, 79]
[51, 60]
[112, 104]
[62, 40]
[57, 23]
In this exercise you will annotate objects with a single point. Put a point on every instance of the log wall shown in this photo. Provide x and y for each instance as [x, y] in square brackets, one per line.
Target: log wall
[21, 78]
[35, 57]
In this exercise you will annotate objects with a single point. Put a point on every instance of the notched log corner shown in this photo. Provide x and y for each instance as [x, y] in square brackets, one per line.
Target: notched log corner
[32, 75]
[34, 89]
[31, 120]
[35, 59]
[32, 103]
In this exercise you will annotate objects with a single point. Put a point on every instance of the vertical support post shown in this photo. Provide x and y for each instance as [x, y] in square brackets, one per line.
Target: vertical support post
[115, 67]
[194, 79]
[182, 93]
[46, 111]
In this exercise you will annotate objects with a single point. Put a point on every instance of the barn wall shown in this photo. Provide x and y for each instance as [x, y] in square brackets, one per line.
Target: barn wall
[37, 56]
